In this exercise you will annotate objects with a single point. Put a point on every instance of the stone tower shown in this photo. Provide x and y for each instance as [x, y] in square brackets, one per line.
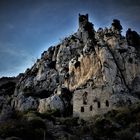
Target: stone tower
[85, 30]
[83, 20]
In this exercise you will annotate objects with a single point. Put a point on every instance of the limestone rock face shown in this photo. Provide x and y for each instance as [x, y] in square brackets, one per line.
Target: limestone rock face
[119, 100]
[103, 61]
[22, 103]
[52, 103]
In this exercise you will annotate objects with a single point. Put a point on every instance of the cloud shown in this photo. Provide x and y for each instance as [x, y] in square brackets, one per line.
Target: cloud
[27, 25]
[13, 60]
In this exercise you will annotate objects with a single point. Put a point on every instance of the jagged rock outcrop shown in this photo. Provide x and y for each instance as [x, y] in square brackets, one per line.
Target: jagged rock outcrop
[21, 103]
[102, 60]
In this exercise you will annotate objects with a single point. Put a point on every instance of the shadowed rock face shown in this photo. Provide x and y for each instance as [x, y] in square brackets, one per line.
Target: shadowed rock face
[133, 38]
[102, 63]
[7, 87]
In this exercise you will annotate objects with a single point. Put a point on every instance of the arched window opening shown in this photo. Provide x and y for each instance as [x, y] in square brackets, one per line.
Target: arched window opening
[98, 104]
[85, 98]
[82, 109]
[91, 108]
[107, 103]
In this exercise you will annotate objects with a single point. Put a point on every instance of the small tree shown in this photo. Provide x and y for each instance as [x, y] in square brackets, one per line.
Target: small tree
[133, 38]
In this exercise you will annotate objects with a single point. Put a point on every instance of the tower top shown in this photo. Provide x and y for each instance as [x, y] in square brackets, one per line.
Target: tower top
[83, 20]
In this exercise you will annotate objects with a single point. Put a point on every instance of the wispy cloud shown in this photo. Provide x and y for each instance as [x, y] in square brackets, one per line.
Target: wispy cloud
[13, 59]
[25, 26]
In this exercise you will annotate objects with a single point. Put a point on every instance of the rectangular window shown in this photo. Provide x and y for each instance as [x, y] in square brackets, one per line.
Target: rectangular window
[107, 103]
[91, 108]
[82, 109]
[99, 105]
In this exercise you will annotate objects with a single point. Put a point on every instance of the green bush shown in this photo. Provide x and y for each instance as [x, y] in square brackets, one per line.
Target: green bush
[37, 123]
[105, 127]
[6, 128]
[125, 134]
[121, 124]
[50, 114]
[111, 114]
[26, 130]
[123, 117]
[70, 122]
[135, 108]
[17, 115]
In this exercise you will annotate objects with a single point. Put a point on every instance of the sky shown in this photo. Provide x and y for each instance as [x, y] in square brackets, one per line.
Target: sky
[29, 27]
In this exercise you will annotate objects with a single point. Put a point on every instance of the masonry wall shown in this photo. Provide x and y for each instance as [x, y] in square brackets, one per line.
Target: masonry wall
[97, 102]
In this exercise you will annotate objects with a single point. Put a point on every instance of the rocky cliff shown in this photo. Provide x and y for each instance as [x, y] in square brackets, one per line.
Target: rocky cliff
[104, 60]
[89, 74]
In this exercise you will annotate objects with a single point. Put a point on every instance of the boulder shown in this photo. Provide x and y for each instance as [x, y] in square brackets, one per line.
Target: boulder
[23, 103]
[52, 103]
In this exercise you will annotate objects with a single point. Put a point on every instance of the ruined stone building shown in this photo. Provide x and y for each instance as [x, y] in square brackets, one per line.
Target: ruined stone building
[89, 102]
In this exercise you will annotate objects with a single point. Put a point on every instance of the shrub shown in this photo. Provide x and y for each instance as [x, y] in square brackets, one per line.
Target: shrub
[111, 114]
[117, 25]
[17, 115]
[133, 38]
[123, 117]
[124, 134]
[28, 91]
[8, 88]
[51, 113]
[6, 128]
[70, 122]
[25, 125]
[37, 123]
[33, 129]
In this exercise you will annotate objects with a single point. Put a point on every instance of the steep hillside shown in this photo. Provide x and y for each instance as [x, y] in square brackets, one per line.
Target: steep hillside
[88, 74]
[103, 61]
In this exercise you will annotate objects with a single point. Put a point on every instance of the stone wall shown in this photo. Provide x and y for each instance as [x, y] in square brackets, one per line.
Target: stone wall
[88, 102]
